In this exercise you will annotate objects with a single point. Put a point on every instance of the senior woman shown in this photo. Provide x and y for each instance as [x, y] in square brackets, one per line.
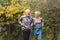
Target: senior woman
[38, 24]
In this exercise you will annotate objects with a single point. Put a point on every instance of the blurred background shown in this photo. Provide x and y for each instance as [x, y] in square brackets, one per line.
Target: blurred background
[12, 10]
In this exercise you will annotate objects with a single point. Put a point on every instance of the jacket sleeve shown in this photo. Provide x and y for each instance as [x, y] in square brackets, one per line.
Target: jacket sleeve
[42, 20]
[32, 20]
[20, 20]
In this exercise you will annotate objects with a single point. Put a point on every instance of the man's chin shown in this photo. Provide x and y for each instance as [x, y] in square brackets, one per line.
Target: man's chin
[28, 15]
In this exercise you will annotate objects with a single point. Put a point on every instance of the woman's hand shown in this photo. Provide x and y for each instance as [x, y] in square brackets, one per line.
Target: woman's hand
[34, 23]
[31, 26]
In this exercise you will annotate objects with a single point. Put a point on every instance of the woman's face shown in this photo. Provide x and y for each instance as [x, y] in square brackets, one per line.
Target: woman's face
[36, 14]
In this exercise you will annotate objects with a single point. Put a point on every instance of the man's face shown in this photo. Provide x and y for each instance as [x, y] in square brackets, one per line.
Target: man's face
[27, 12]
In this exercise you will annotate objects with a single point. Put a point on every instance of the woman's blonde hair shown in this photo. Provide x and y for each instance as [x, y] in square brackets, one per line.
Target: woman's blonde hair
[37, 12]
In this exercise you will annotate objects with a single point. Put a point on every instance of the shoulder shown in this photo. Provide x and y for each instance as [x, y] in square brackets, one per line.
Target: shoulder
[34, 18]
[41, 18]
[23, 16]
[31, 17]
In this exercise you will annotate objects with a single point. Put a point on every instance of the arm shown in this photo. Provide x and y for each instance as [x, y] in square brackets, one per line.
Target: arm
[20, 21]
[32, 23]
[42, 23]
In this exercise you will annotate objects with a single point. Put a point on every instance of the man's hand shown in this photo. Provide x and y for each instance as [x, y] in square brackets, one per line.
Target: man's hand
[31, 26]
[22, 24]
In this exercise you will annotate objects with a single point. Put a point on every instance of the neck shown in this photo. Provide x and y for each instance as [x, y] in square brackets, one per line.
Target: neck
[27, 15]
[37, 17]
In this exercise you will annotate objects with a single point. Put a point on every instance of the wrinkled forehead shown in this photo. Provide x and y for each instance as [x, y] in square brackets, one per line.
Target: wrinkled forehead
[27, 10]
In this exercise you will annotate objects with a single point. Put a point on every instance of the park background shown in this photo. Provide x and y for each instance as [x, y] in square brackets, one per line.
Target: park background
[12, 10]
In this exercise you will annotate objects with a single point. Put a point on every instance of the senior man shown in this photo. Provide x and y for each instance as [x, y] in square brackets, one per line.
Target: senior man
[26, 22]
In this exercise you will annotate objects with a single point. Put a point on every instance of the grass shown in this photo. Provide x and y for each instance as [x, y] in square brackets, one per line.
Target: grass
[32, 37]
[1, 38]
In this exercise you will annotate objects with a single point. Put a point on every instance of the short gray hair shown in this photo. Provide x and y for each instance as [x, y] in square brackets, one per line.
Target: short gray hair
[27, 10]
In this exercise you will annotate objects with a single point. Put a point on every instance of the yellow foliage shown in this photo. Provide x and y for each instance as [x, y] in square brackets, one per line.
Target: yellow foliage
[13, 2]
[1, 19]
[7, 22]
[9, 15]
[1, 12]
[13, 11]
[18, 16]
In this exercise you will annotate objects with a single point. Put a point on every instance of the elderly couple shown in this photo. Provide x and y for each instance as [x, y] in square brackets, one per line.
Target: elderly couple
[27, 22]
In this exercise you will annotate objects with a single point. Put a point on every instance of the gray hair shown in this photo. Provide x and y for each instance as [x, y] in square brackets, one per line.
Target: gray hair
[27, 10]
